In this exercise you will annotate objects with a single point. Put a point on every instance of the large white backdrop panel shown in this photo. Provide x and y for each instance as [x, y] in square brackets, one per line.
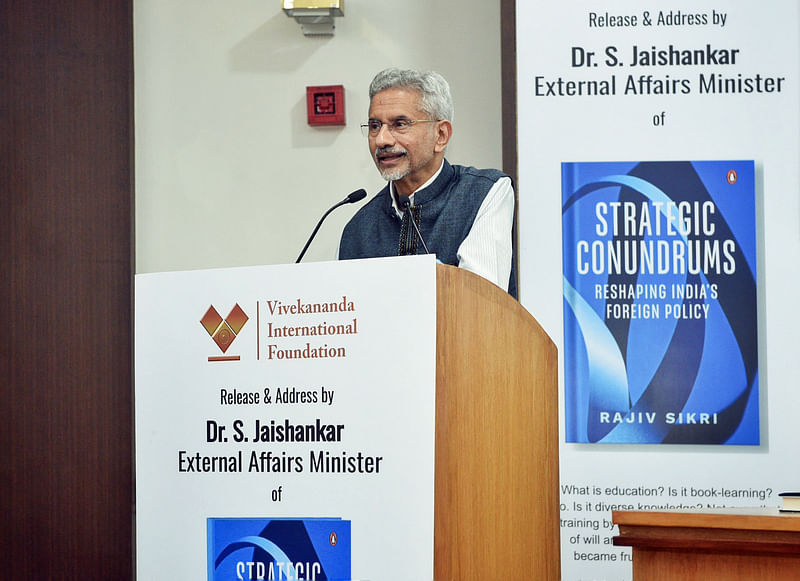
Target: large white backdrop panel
[695, 126]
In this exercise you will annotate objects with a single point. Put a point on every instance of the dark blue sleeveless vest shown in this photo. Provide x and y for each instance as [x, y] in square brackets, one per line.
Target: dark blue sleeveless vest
[444, 212]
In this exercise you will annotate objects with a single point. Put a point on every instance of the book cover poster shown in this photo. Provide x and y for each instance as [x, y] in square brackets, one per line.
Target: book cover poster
[659, 283]
[282, 548]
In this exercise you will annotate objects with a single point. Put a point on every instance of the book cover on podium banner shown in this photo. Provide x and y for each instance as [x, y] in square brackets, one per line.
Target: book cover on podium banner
[660, 311]
[283, 548]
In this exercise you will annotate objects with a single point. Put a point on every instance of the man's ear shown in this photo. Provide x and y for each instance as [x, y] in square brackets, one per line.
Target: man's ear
[444, 131]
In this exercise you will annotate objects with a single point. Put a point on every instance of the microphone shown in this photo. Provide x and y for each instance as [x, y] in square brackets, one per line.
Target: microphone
[404, 202]
[356, 196]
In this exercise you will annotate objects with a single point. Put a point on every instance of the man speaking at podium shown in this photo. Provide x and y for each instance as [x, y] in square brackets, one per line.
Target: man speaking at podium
[462, 214]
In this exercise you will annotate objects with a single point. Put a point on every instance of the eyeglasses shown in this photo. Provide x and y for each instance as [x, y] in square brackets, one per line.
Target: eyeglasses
[397, 127]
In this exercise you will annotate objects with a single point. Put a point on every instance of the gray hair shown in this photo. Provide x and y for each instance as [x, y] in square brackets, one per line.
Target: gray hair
[434, 90]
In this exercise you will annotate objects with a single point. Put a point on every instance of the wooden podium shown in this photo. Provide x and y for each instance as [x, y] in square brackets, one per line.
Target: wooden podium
[496, 511]
[725, 544]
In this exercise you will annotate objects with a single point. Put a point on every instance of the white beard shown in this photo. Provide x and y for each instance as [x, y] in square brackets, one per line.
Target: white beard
[398, 174]
[395, 174]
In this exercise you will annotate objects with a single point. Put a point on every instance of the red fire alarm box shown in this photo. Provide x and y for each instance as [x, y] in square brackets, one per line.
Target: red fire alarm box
[325, 105]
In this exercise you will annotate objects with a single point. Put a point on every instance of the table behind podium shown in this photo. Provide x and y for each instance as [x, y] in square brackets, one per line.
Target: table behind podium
[724, 544]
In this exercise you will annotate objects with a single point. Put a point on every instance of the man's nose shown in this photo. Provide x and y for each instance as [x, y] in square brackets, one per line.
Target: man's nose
[384, 136]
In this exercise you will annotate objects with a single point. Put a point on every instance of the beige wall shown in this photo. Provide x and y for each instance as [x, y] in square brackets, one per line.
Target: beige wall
[228, 173]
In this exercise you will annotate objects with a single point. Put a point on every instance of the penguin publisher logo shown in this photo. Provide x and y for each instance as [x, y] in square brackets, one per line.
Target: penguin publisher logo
[224, 331]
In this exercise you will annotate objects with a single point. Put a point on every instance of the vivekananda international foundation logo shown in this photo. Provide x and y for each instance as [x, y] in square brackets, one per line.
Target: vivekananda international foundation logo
[224, 331]
[293, 329]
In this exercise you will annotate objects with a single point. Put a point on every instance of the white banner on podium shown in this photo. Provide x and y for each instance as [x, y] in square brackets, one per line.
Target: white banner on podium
[285, 421]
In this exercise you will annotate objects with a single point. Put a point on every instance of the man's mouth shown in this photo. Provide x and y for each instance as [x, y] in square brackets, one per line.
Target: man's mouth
[389, 156]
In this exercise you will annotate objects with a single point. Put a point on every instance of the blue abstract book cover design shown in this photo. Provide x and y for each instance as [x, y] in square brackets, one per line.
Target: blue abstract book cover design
[262, 548]
[659, 284]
